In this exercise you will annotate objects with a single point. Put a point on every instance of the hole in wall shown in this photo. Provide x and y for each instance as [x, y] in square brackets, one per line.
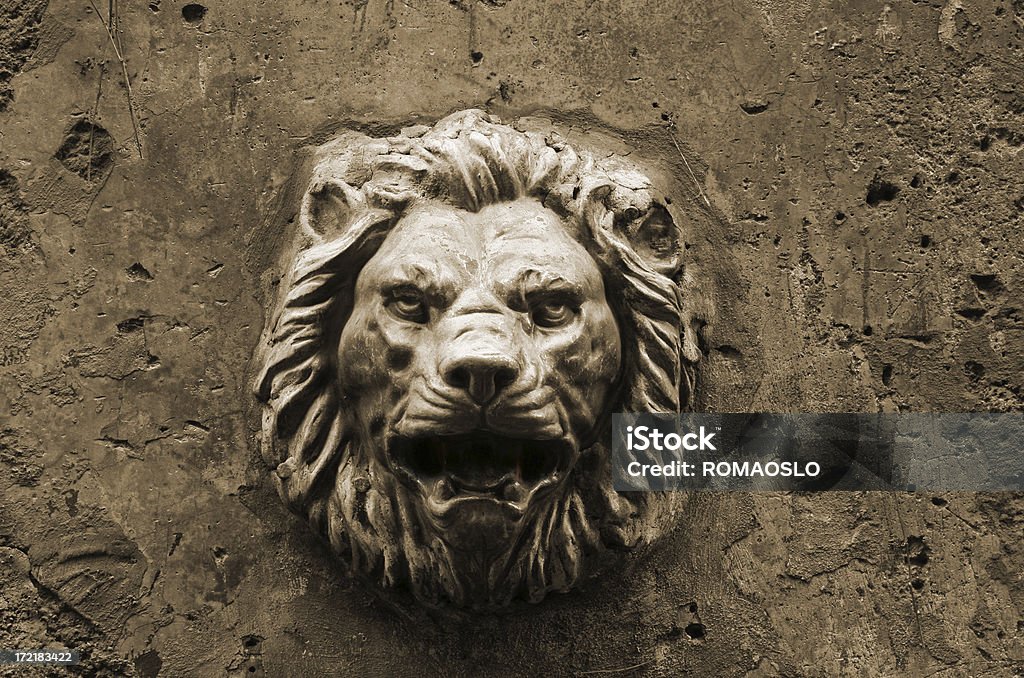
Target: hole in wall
[695, 631]
[986, 282]
[138, 273]
[87, 150]
[880, 191]
[193, 13]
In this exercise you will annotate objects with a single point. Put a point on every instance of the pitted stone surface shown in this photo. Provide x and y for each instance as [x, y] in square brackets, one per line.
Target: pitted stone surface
[863, 162]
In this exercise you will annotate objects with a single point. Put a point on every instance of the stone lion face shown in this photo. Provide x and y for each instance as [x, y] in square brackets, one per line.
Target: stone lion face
[479, 356]
[464, 308]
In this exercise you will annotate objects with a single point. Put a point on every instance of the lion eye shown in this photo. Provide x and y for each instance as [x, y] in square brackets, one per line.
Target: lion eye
[408, 305]
[552, 314]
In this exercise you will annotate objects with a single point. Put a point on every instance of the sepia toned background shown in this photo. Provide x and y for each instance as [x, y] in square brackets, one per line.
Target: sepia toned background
[858, 171]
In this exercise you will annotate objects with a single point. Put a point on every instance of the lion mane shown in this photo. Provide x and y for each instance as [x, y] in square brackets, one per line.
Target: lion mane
[322, 465]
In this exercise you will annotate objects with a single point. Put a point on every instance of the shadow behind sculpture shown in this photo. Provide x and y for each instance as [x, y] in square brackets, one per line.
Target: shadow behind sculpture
[466, 306]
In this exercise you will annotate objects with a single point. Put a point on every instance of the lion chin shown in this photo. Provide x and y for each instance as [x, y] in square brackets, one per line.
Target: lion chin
[466, 308]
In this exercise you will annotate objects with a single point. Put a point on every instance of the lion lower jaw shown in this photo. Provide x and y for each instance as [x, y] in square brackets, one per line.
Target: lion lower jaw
[386, 533]
[480, 523]
[480, 558]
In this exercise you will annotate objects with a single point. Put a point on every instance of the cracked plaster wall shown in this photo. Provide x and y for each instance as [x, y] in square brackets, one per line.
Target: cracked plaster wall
[863, 159]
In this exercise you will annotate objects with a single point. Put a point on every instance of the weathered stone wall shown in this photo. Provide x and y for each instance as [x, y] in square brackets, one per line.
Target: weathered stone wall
[863, 165]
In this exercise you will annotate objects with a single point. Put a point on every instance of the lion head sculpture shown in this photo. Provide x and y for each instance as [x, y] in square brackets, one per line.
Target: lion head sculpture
[466, 307]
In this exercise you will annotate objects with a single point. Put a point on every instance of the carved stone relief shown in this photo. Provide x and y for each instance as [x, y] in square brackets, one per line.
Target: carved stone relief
[466, 306]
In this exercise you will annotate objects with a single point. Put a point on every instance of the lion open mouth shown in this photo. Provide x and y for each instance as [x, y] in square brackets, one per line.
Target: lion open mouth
[480, 464]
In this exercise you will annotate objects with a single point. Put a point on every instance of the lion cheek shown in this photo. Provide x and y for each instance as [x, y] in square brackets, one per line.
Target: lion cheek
[589, 370]
[360, 354]
[593, 361]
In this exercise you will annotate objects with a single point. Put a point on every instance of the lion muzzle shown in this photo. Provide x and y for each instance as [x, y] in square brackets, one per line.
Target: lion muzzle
[482, 361]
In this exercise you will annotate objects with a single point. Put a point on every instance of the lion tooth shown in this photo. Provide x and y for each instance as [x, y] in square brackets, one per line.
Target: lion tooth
[512, 491]
[445, 491]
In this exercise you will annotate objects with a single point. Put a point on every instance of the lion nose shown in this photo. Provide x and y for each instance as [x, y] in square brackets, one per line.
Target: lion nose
[483, 376]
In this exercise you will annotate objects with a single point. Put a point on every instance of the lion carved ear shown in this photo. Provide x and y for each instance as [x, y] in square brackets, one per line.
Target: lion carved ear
[632, 216]
[327, 208]
[655, 237]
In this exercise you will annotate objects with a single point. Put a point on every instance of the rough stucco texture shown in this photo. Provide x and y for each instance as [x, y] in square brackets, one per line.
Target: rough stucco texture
[863, 160]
